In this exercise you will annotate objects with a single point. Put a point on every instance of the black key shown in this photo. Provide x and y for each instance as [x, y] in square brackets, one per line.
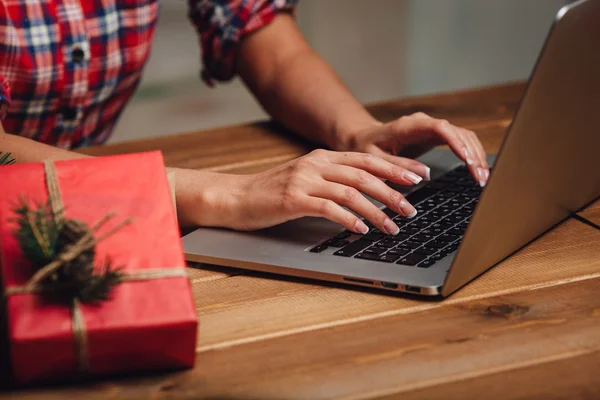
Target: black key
[441, 225]
[387, 243]
[418, 196]
[456, 231]
[336, 243]
[440, 198]
[437, 256]
[389, 212]
[373, 237]
[454, 205]
[318, 249]
[455, 218]
[412, 259]
[435, 231]
[401, 220]
[352, 248]
[437, 214]
[398, 238]
[410, 244]
[436, 244]
[421, 224]
[342, 235]
[444, 210]
[447, 238]
[453, 247]
[376, 250]
[421, 237]
[426, 250]
[426, 263]
[408, 230]
[428, 219]
[375, 257]
[369, 256]
[390, 258]
[399, 251]
[463, 213]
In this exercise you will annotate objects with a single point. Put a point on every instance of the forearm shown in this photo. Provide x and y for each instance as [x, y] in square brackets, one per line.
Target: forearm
[297, 87]
[27, 150]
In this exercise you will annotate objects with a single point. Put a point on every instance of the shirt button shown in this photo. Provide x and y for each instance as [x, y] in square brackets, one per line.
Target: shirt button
[78, 55]
[68, 113]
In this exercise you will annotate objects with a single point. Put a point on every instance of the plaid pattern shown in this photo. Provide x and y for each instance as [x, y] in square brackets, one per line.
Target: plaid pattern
[68, 67]
[223, 23]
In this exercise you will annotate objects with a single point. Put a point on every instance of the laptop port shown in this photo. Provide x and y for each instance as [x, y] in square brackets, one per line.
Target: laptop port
[412, 289]
[361, 281]
[389, 285]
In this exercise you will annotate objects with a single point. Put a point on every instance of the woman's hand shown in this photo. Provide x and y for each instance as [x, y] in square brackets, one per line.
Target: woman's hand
[415, 134]
[317, 184]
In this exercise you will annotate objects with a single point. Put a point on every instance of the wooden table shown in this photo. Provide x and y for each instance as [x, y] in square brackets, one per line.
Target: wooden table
[268, 337]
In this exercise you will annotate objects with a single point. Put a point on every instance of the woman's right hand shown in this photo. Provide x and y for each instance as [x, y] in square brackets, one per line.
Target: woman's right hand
[318, 184]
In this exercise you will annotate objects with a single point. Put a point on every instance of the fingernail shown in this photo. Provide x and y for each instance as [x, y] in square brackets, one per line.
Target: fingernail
[360, 227]
[427, 173]
[423, 171]
[408, 209]
[487, 175]
[481, 175]
[391, 227]
[467, 155]
[411, 176]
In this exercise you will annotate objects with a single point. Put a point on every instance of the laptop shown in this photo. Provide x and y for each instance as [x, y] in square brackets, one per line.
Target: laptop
[547, 170]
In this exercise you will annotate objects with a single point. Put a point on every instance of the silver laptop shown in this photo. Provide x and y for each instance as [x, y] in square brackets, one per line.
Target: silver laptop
[546, 171]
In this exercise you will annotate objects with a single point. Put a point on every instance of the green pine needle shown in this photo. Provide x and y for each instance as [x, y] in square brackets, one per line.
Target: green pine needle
[37, 232]
[6, 159]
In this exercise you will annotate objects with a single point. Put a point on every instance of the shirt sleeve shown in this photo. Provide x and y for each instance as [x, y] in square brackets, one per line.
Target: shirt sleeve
[4, 97]
[221, 24]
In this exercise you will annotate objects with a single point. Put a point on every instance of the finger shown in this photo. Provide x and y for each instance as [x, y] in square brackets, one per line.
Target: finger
[475, 147]
[320, 207]
[478, 147]
[412, 165]
[376, 166]
[351, 198]
[358, 180]
[478, 170]
[414, 128]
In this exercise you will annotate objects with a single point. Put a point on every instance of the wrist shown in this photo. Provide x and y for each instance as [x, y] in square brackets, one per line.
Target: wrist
[349, 134]
[205, 198]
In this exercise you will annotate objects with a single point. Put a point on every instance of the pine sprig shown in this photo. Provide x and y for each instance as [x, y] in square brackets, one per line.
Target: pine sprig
[6, 159]
[42, 240]
[37, 232]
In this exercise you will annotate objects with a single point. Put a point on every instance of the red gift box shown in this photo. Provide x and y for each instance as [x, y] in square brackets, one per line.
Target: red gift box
[146, 324]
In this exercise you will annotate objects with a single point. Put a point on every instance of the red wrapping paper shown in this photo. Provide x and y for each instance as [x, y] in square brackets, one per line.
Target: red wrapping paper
[146, 325]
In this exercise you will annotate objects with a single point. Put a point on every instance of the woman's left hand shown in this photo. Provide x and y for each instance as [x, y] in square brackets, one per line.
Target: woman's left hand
[415, 134]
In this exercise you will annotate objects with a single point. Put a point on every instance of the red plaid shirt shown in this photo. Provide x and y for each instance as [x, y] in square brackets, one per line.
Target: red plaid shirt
[68, 67]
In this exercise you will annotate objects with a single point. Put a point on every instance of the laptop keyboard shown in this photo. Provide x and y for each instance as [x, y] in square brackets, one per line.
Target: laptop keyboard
[444, 206]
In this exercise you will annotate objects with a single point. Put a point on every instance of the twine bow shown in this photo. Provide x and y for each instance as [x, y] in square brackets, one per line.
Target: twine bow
[70, 253]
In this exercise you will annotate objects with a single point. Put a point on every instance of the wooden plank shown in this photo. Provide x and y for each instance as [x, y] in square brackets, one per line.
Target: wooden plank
[458, 346]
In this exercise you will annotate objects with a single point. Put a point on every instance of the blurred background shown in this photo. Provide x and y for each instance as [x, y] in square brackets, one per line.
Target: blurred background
[382, 49]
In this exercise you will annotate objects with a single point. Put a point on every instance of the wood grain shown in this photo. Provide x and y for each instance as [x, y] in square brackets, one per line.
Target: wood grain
[527, 329]
[457, 346]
